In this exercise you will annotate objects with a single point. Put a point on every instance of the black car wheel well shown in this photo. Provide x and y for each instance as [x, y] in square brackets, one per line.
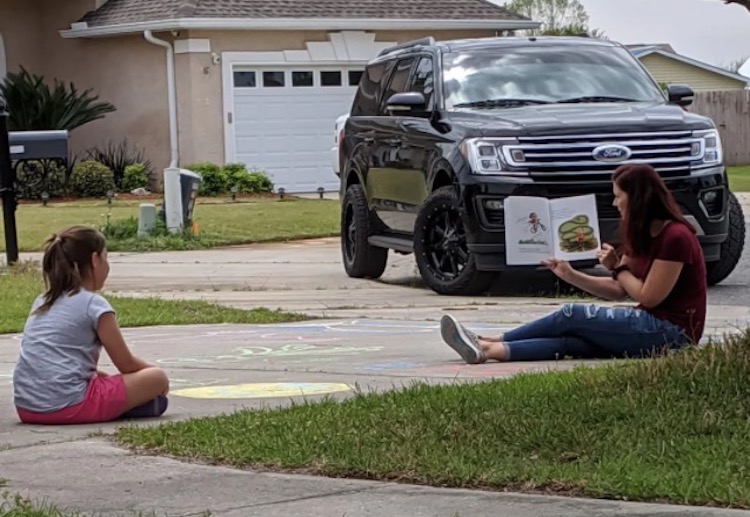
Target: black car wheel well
[443, 178]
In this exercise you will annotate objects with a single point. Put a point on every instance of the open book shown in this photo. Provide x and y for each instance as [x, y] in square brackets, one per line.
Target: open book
[538, 228]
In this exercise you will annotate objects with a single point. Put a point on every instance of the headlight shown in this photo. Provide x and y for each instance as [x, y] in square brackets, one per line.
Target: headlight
[710, 145]
[485, 156]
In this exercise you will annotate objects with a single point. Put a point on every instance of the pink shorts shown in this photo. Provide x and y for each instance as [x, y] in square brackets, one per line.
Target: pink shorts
[104, 401]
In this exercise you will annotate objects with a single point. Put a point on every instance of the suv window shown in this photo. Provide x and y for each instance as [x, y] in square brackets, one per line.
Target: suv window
[424, 80]
[366, 100]
[399, 81]
[542, 75]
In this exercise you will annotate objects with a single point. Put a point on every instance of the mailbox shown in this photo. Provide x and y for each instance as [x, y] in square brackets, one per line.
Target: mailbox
[38, 145]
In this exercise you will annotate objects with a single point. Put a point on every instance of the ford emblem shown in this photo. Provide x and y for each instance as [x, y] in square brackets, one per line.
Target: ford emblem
[611, 153]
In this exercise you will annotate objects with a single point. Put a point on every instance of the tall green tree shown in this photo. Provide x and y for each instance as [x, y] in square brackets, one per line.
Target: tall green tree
[558, 17]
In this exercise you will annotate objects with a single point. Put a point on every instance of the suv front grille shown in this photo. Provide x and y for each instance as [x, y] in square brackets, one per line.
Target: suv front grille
[571, 158]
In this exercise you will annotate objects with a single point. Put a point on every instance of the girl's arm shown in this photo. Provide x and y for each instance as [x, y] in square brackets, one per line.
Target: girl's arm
[113, 342]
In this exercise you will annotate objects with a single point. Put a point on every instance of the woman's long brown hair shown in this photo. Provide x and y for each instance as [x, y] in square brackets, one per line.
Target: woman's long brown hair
[649, 200]
[67, 261]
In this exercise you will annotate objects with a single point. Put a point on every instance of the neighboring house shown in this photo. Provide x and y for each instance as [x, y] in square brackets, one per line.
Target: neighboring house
[255, 81]
[667, 66]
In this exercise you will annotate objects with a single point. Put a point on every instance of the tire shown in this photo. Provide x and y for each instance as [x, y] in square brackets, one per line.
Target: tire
[443, 259]
[731, 249]
[361, 260]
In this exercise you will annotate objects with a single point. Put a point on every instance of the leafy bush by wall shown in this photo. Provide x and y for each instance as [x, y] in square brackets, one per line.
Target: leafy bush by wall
[91, 179]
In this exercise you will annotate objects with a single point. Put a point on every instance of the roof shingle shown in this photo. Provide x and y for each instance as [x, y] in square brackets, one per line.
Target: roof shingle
[116, 12]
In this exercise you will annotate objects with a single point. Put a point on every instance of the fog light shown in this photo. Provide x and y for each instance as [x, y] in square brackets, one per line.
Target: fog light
[710, 196]
[494, 204]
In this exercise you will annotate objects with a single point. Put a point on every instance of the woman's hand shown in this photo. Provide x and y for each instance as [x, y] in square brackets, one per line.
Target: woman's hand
[608, 256]
[561, 268]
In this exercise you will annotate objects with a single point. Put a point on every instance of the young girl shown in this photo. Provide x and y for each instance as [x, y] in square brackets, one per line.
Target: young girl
[56, 380]
[662, 269]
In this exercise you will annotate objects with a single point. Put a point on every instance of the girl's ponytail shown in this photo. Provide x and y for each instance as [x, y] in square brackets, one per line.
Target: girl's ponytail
[67, 260]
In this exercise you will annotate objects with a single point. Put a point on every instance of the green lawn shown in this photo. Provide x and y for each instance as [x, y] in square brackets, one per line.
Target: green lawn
[20, 288]
[739, 178]
[669, 429]
[220, 222]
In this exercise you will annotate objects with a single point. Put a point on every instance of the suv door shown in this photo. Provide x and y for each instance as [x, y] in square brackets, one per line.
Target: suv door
[390, 190]
[418, 149]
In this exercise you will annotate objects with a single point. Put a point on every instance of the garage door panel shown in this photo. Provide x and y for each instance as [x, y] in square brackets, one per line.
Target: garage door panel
[288, 131]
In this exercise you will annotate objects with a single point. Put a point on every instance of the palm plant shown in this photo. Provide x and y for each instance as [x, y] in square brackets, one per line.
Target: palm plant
[34, 106]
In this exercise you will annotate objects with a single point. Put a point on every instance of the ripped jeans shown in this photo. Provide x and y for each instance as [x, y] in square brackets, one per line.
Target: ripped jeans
[592, 331]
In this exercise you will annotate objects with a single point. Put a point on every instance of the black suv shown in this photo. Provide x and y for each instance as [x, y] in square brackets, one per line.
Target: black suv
[441, 132]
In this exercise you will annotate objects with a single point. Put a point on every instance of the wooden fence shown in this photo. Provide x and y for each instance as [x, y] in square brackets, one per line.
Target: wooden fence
[730, 110]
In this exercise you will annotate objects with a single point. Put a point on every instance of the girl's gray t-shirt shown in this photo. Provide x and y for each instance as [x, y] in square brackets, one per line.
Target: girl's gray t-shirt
[59, 353]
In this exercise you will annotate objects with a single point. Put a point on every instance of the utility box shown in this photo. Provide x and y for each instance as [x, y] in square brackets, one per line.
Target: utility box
[180, 190]
[38, 145]
[189, 184]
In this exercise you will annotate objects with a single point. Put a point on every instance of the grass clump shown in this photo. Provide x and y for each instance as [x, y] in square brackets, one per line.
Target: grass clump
[21, 284]
[220, 222]
[672, 428]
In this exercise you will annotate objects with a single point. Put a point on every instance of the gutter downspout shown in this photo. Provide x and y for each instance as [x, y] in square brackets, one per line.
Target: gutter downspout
[172, 93]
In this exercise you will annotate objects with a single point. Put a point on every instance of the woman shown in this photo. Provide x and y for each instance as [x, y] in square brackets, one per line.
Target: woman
[662, 269]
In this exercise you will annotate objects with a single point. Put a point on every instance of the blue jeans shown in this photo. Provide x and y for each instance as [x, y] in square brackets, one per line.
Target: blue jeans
[592, 331]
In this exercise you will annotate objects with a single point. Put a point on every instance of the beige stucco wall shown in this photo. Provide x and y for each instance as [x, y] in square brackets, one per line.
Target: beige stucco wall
[126, 71]
[19, 26]
[131, 73]
[200, 89]
[667, 70]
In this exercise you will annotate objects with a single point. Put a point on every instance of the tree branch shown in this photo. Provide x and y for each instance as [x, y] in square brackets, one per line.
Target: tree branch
[743, 3]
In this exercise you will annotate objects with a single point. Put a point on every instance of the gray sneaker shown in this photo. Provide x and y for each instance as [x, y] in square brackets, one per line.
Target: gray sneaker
[461, 340]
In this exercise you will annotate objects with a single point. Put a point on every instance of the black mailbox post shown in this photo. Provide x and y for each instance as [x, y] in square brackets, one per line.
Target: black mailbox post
[7, 189]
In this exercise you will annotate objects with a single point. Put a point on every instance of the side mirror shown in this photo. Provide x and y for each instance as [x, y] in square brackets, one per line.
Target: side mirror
[407, 103]
[680, 94]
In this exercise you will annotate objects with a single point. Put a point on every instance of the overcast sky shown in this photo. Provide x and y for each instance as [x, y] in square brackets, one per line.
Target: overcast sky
[708, 30]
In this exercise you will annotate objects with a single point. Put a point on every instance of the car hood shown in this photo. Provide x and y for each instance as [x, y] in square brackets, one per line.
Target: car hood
[578, 119]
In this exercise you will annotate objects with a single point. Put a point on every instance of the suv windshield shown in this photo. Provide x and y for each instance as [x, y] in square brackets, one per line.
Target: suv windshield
[517, 76]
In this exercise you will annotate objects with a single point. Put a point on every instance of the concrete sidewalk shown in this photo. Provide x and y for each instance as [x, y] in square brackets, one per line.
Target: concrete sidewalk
[121, 483]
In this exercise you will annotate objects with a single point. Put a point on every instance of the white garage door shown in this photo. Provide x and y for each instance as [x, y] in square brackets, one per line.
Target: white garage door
[283, 120]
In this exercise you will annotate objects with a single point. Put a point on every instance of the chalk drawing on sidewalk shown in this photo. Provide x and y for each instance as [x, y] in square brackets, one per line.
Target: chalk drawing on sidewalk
[252, 352]
[262, 390]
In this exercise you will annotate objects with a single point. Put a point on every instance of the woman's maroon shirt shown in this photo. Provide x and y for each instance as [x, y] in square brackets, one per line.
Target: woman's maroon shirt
[686, 304]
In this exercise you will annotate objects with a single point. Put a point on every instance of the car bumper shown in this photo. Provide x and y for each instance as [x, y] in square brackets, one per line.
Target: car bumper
[486, 226]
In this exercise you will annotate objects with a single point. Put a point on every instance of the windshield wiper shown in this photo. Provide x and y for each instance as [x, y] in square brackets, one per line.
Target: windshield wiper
[596, 98]
[499, 103]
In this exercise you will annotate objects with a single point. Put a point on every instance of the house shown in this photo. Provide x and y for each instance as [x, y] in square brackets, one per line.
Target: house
[254, 81]
[667, 66]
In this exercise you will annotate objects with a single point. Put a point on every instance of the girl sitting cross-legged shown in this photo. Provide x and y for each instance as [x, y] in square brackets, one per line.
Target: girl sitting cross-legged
[56, 380]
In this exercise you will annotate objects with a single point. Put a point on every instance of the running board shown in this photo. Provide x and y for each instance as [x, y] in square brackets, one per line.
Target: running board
[394, 243]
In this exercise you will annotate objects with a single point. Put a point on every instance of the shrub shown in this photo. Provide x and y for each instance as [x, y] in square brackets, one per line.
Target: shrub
[91, 179]
[34, 106]
[35, 177]
[118, 157]
[136, 176]
[215, 180]
[255, 182]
